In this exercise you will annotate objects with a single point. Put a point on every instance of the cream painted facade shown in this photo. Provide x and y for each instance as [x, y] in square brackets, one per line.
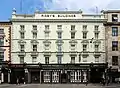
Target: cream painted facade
[66, 19]
[5, 29]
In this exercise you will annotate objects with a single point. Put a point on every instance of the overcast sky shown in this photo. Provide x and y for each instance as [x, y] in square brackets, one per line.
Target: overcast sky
[29, 6]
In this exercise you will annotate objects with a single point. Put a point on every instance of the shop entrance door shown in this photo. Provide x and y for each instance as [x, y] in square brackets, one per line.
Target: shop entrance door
[63, 78]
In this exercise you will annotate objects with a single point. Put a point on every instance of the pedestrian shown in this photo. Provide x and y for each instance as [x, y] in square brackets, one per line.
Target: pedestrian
[18, 81]
[86, 82]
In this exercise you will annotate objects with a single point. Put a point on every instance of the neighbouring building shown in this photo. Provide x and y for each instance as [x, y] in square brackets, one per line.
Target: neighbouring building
[112, 27]
[57, 47]
[5, 56]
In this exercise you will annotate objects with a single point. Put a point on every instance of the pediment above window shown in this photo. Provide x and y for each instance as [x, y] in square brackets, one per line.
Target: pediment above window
[73, 31]
[22, 31]
[85, 54]
[59, 42]
[2, 50]
[85, 41]
[73, 53]
[97, 42]
[47, 31]
[34, 42]
[47, 42]
[73, 42]
[59, 54]
[84, 31]
[97, 54]
[21, 42]
[59, 31]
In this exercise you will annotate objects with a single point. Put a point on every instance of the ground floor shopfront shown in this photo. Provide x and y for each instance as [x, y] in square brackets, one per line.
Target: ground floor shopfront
[54, 73]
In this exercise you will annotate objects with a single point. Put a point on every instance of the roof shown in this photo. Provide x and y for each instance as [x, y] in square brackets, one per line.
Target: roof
[5, 22]
[111, 11]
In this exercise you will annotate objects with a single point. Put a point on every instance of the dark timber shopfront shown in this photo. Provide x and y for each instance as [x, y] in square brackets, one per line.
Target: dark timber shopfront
[56, 73]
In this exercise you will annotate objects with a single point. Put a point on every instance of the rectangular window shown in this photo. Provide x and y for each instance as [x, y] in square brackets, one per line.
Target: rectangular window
[21, 60]
[46, 60]
[72, 59]
[84, 47]
[1, 31]
[34, 59]
[22, 27]
[96, 59]
[22, 35]
[84, 35]
[114, 60]
[1, 41]
[96, 47]
[72, 76]
[96, 27]
[34, 27]
[114, 45]
[59, 59]
[46, 75]
[22, 48]
[59, 34]
[1, 56]
[85, 27]
[55, 76]
[34, 35]
[34, 47]
[59, 27]
[72, 27]
[59, 48]
[114, 18]
[96, 35]
[114, 31]
[72, 35]
[47, 27]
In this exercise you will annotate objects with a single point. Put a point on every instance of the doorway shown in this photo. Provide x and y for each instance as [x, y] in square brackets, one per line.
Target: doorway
[35, 76]
[95, 75]
[63, 78]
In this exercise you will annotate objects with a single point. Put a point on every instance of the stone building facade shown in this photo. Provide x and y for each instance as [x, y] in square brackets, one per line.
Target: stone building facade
[57, 47]
[112, 27]
[5, 56]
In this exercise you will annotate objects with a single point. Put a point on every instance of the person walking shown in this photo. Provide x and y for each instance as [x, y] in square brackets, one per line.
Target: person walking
[17, 81]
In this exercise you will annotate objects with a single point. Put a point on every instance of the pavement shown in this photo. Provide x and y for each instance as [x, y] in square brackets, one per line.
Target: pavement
[58, 86]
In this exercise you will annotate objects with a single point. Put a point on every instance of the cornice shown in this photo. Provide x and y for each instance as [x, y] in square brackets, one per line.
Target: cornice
[59, 20]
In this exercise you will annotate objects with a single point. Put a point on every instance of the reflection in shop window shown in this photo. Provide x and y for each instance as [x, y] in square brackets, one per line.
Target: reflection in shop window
[46, 76]
[55, 76]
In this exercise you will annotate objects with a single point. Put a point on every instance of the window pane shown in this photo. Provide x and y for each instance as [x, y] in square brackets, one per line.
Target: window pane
[22, 47]
[114, 31]
[34, 27]
[114, 60]
[1, 31]
[21, 60]
[114, 17]
[114, 45]
[46, 60]
[72, 27]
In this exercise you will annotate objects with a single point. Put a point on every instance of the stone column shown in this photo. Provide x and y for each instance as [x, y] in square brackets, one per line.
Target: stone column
[9, 71]
[29, 77]
[89, 75]
[2, 77]
[40, 76]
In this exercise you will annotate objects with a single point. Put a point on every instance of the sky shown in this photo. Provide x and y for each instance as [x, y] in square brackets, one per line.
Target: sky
[29, 6]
